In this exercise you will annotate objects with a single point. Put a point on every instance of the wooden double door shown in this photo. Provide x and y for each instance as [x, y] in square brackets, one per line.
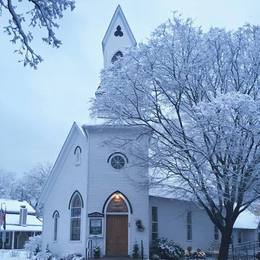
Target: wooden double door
[117, 235]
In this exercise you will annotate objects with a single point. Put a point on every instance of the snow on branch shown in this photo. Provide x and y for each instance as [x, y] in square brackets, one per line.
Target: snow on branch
[36, 13]
[199, 94]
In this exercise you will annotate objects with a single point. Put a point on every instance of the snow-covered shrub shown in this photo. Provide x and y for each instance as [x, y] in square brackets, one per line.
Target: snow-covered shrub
[45, 256]
[135, 253]
[33, 245]
[199, 254]
[167, 249]
[13, 253]
[75, 256]
[155, 257]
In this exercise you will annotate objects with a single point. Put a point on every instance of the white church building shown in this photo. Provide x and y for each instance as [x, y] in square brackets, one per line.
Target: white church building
[95, 193]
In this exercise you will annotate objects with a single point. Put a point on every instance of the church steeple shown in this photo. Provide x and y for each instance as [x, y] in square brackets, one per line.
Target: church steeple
[118, 37]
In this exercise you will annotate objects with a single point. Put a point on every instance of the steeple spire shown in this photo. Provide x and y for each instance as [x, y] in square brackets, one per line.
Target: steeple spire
[117, 38]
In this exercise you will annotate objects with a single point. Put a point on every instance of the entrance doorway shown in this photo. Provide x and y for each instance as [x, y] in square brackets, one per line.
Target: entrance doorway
[117, 227]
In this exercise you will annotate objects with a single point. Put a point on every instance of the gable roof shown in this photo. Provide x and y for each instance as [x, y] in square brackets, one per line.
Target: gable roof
[13, 206]
[247, 220]
[52, 177]
[118, 13]
[32, 223]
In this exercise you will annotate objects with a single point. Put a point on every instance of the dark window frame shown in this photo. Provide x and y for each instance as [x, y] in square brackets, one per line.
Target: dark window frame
[116, 56]
[189, 225]
[154, 223]
[216, 233]
[55, 228]
[75, 217]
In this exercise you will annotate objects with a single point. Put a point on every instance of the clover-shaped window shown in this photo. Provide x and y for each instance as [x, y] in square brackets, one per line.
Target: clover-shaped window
[118, 32]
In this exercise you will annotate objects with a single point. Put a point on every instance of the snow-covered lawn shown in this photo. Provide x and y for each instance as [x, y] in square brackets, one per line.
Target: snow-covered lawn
[13, 255]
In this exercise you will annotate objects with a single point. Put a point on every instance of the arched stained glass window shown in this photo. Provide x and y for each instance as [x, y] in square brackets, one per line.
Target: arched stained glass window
[117, 204]
[75, 216]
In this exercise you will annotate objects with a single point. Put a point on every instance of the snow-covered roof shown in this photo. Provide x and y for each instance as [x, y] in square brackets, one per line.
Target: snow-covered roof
[14, 205]
[13, 216]
[13, 219]
[102, 127]
[24, 228]
[166, 193]
[247, 220]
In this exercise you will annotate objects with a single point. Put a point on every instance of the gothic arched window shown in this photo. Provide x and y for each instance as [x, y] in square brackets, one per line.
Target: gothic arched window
[116, 56]
[76, 204]
[56, 216]
[77, 153]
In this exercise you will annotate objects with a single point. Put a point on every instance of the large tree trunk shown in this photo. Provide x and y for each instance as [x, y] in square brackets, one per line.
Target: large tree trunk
[225, 242]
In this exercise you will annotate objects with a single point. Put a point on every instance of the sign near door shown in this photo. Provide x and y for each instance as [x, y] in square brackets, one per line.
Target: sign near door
[95, 227]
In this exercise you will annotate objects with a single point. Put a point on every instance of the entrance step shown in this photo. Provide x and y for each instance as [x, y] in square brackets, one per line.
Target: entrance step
[116, 258]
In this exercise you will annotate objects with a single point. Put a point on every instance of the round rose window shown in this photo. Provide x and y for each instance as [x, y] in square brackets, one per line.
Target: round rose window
[118, 161]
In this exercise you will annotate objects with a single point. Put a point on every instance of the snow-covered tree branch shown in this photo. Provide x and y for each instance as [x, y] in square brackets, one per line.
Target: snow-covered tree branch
[26, 187]
[198, 92]
[23, 15]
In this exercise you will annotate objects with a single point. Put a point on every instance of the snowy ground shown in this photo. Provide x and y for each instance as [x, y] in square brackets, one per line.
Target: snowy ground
[13, 255]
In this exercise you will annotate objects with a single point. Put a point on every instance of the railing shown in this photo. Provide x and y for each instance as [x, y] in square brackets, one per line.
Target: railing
[245, 251]
[142, 249]
[89, 249]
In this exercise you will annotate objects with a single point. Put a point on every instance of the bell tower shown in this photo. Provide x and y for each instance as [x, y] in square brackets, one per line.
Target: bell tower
[118, 37]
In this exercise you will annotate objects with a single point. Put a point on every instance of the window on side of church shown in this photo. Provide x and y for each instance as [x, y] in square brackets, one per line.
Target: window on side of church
[259, 233]
[189, 225]
[75, 218]
[154, 223]
[77, 153]
[216, 233]
[117, 160]
[55, 229]
[240, 237]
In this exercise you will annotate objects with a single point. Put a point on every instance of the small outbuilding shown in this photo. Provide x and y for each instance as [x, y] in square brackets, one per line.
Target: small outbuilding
[18, 221]
[246, 228]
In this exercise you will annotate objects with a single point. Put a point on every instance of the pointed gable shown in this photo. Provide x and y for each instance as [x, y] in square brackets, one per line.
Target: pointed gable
[118, 37]
[59, 163]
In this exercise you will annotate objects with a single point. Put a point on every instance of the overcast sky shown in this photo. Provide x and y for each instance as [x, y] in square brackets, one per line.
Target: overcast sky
[38, 107]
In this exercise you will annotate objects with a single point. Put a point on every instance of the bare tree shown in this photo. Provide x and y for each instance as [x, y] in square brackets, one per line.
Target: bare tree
[23, 15]
[7, 181]
[199, 95]
[30, 185]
